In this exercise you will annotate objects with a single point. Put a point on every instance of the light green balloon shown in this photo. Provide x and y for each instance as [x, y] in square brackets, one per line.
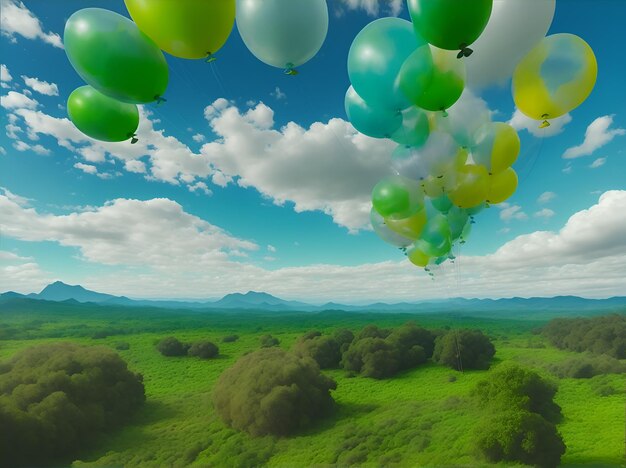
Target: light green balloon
[112, 55]
[282, 33]
[374, 122]
[386, 234]
[415, 128]
[101, 117]
[442, 204]
[375, 58]
[396, 197]
[437, 234]
[457, 220]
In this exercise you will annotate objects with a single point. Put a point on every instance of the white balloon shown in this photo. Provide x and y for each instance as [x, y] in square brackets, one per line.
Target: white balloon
[514, 28]
[432, 158]
[464, 118]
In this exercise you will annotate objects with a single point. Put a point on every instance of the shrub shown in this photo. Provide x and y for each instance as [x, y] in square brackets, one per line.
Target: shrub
[372, 357]
[323, 349]
[585, 367]
[122, 346]
[343, 337]
[520, 436]
[171, 346]
[464, 349]
[414, 344]
[230, 339]
[203, 350]
[268, 341]
[270, 391]
[57, 398]
[372, 331]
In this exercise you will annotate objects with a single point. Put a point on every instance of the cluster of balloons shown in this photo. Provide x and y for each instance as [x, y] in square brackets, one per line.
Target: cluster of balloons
[406, 77]
[123, 64]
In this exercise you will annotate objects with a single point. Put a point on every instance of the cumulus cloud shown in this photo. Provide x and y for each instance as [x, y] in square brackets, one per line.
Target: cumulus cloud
[17, 19]
[597, 135]
[86, 168]
[546, 197]
[371, 7]
[5, 76]
[545, 213]
[511, 212]
[597, 163]
[21, 274]
[22, 146]
[271, 248]
[42, 87]
[520, 122]
[15, 100]
[278, 94]
[327, 167]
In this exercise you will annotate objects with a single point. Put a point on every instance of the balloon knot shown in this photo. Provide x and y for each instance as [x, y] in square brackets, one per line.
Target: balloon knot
[210, 57]
[290, 70]
[444, 112]
[133, 138]
[464, 52]
[159, 100]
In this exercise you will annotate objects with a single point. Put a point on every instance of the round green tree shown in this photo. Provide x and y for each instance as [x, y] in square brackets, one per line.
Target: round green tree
[464, 349]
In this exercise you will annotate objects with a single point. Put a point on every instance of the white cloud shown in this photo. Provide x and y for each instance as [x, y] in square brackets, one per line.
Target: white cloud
[86, 168]
[546, 197]
[271, 248]
[5, 75]
[42, 87]
[597, 163]
[20, 274]
[15, 100]
[22, 146]
[3, 152]
[136, 166]
[18, 200]
[200, 187]
[520, 122]
[597, 135]
[17, 19]
[567, 169]
[545, 213]
[327, 167]
[278, 94]
[371, 7]
[511, 212]
[504, 230]
[198, 138]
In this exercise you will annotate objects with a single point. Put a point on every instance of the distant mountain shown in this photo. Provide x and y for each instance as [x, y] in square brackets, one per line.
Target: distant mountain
[59, 291]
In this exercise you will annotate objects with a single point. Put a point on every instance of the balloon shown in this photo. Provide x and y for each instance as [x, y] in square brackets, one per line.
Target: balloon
[410, 227]
[497, 147]
[415, 128]
[189, 29]
[432, 78]
[111, 54]
[283, 33]
[514, 28]
[467, 229]
[469, 187]
[555, 77]
[397, 197]
[457, 220]
[416, 254]
[464, 119]
[434, 187]
[502, 186]
[474, 210]
[376, 123]
[437, 234]
[375, 58]
[386, 234]
[433, 158]
[450, 24]
[442, 203]
[101, 117]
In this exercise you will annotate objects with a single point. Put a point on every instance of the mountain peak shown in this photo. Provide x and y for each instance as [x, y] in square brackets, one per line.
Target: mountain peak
[60, 291]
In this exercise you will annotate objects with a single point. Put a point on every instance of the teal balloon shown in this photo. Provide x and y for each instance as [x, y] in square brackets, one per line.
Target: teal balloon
[414, 129]
[282, 33]
[377, 123]
[375, 58]
[437, 235]
[467, 229]
[112, 55]
[476, 209]
[442, 204]
[457, 220]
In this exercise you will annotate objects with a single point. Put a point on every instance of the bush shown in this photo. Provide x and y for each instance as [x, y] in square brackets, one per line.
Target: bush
[371, 357]
[588, 366]
[171, 346]
[464, 349]
[414, 344]
[57, 398]
[323, 349]
[122, 346]
[268, 341]
[230, 339]
[270, 391]
[372, 331]
[203, 350]
[520, 436]
[343, 337]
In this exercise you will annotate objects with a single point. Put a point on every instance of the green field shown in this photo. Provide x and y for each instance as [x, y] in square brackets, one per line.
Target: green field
[422, 417]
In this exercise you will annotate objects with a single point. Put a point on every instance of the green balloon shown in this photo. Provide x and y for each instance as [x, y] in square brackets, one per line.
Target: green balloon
[442, 204]
[437, 234]
[111, 54]
[457, 219]
[414, 130]
[101, 117]
[450, 24]
[396, 197]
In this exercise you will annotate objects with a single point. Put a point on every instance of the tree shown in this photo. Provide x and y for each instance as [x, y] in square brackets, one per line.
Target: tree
[464, 349]
[271, 391]
[230, 338]
[57, 398]
[323, 349]
[343, 337]
[203, 350]
[371, 331]
[268, 341]
[372, 357]
[414, 344]
[171, 346]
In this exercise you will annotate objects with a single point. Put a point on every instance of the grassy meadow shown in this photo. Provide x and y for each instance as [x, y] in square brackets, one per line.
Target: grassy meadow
[421, 417]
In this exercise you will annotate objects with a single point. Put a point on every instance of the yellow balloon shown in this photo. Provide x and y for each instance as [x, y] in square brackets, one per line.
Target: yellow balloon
[468, 187]
[502, 186]
[417, 257]
[188, 29]
[497, 146]
[555, 77]
[410, 227]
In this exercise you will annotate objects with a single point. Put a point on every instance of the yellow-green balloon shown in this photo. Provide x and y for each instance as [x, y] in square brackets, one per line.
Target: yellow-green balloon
[432, 78]
[410, 227]
[416, 255]
[397, 197]
[101, 117]
[189, 29]
[469, 187]
[555, 77]
[502, 186]
[496, 146]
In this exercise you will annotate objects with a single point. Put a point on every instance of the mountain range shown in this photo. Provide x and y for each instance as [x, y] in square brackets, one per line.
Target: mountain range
[59, 291]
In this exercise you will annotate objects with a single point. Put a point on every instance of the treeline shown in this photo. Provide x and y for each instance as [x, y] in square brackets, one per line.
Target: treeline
[55, 399]
[599, 335]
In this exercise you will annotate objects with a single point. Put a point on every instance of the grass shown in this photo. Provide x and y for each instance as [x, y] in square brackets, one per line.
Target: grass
[423, 417]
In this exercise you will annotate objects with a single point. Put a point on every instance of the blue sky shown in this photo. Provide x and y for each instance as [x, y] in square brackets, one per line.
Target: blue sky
[197, 210]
